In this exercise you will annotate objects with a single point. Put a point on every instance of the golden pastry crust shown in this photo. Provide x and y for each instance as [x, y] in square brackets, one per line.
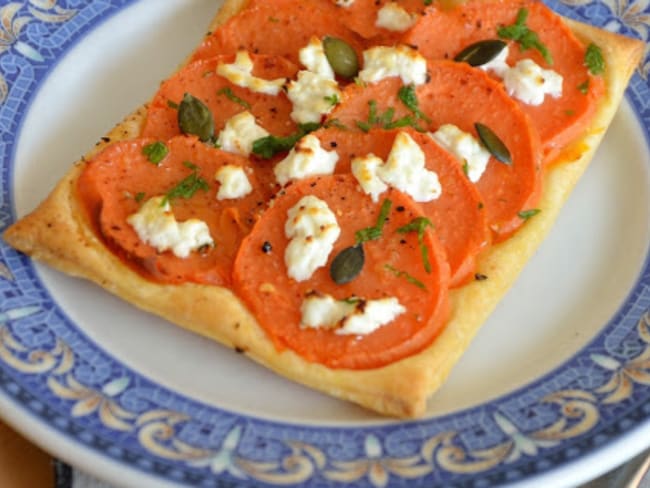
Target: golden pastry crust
[59, 234]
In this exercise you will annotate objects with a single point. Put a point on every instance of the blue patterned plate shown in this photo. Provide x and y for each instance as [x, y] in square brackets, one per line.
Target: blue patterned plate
[554, 390]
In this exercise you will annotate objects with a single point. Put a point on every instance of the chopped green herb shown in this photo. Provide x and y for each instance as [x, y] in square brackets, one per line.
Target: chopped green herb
[228, 93]
[139, 196]
[274, 19]
[526, 214]
[172, 104]
[372, 233]
[594, 60]
[465, 167]
[269, 146]
[385, 120]
[409, 97]
[584, 87]
[188, 186]
[406, 121]
[569, 113]
[155, 152]
[387, 117]
[419, 225]
[335, 123]
[527, 39]
[333, 99]
[428, 2]
[406, 276]
[351, 300]
[364, 126]
[359, 82]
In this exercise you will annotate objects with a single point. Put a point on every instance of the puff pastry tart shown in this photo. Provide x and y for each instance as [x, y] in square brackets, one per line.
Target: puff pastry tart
[342, 190]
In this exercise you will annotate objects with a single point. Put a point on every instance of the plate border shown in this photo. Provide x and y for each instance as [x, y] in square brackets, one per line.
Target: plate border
[186, 441]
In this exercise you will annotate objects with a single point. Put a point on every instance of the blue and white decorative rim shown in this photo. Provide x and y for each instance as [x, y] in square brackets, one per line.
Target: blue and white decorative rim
[49, 367]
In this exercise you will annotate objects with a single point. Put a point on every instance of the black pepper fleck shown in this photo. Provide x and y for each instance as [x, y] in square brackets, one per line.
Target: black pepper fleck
[266, 247]
[480, 277]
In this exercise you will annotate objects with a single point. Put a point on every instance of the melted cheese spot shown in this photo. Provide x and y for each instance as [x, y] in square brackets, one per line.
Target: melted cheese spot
[359, 317]
[306, 158]
[384, 62]
[393, 17]
[366, 170]
[526, 81]
[312, 229]
[234, 182]
[240, 73]
[464, 147]
[313, 57]
[239, 133]
[156, 225]
[405, 169]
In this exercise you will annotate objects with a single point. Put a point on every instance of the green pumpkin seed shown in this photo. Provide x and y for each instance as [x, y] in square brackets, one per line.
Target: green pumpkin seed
[342, 58]
[195, 118]
[493, 144]
[481, 52]
[347, 265]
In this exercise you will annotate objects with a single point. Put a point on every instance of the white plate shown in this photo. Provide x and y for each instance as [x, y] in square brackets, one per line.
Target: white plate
[103, 385]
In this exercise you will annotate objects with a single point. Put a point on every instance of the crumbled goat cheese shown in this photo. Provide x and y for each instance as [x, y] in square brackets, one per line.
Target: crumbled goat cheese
[156, 225]
[239, 133]
[234, 182]
[393, 17]
[357, 317]
[384, 62]
[465, 147]
[306, 158]
[312, 229]
[240, 73]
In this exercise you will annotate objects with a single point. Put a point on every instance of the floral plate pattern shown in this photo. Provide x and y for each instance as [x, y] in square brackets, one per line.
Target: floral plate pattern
[49, 368]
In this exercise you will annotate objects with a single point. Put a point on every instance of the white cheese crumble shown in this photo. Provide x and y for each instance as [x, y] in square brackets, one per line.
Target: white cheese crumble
[393, 17]
[405, 169]
[526, 81]
[234, 182]
[156, 225]
[344, 3]
[315, 91]
[465, 147]
[312, 96]
[306, 158]
[358, 317]
[498, 64]
[313, 57]
[366, 170]
[312, 229]
[240, 73]
[384, 62]
[239, 133]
